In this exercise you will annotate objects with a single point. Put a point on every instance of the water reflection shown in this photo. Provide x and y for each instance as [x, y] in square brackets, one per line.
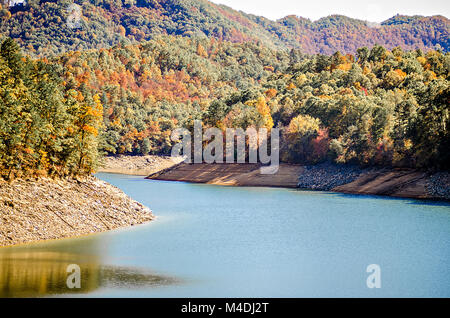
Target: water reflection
[41, 270]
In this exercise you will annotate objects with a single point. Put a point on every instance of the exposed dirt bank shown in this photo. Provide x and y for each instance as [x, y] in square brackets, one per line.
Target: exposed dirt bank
[407, 183]
[51, 209]
[325, 177]
[231, 174]
[137, 165]
[397, 182]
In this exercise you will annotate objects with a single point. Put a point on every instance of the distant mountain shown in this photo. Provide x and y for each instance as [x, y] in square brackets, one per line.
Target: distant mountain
[42, 28]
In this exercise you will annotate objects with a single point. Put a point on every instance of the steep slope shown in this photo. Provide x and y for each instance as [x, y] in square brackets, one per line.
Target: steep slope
[41, 27]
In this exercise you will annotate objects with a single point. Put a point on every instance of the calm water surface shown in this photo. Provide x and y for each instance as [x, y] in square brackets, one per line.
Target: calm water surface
[212, 241]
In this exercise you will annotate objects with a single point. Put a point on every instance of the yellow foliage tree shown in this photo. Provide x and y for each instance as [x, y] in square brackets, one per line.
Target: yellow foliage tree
[201, 50]
[263, 110]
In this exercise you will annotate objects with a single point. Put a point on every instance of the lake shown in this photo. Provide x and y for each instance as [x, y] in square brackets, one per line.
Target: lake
[214, 241]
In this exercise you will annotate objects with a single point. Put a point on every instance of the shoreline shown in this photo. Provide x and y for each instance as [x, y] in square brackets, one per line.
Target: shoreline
[244, 175]
[47, 209]
[25, 244]
[383, 181]
[136, 165]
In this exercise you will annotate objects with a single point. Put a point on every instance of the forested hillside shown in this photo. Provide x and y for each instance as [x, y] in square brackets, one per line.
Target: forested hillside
[46, 127]
[41, 27]
[149, 89]
[378, 107]
[121, 78]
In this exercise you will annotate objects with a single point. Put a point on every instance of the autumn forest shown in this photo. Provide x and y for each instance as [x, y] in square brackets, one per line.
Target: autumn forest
[68, 97]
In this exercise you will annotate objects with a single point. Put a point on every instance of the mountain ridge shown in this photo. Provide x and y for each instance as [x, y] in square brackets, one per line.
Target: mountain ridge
[40, 27]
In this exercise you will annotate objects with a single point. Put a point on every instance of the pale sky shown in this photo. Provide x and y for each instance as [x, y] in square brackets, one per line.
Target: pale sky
[370, 10]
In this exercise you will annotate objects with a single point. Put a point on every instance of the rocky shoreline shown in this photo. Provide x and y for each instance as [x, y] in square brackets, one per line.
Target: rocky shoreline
[397, 182]
[439, 185]
[137, 165]
[45, 209]
[327, 176]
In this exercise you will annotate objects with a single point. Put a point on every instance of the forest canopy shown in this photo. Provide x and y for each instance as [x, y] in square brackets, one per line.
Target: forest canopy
[45, 28]
[377, 107]
[46, 128]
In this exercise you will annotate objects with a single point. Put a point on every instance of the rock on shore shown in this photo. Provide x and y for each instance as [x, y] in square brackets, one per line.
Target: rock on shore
[327, 176]
[439, 185]
[34, 210]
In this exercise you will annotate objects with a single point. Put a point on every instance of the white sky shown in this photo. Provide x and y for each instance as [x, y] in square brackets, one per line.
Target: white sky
[370, 10]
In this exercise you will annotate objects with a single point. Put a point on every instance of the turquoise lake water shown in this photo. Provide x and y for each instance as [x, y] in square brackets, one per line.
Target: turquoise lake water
[214, 241]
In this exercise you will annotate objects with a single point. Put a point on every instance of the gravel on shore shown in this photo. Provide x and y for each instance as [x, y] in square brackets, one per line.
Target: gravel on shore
[43, 209]
[326, 176]
[439, 185]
